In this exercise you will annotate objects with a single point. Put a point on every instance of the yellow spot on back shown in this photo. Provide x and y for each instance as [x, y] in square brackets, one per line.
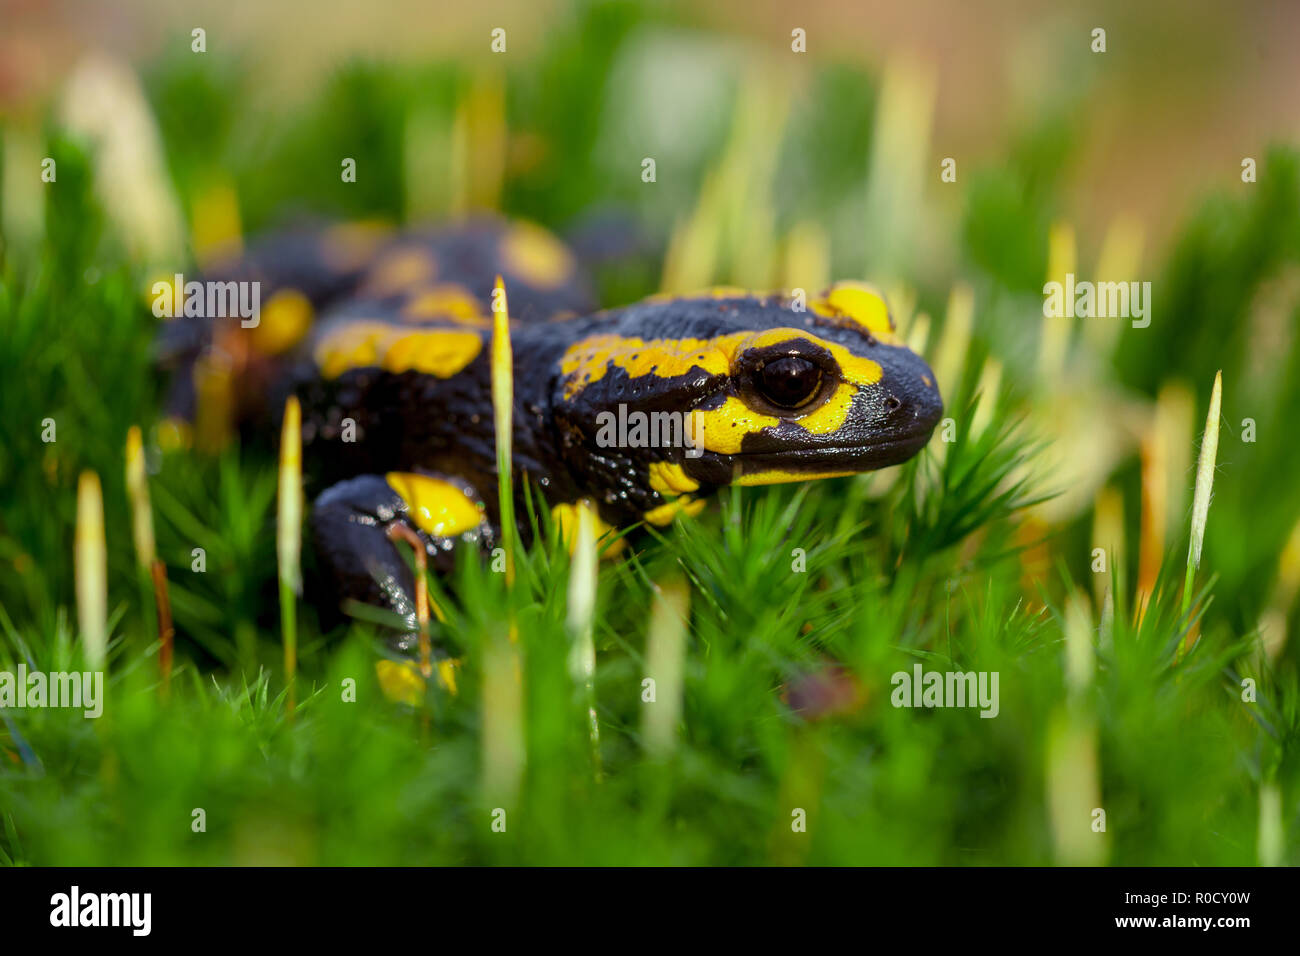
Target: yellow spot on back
[536, 256]
[400, 271]
[440, 353]
[351, 245]
[437, 507]
[447, 300]
[363, 344]
[284, 321]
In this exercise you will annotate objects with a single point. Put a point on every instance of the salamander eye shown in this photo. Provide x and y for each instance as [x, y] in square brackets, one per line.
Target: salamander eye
[789, 381]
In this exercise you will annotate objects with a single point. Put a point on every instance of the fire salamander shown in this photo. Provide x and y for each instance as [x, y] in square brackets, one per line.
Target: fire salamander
[639, 412]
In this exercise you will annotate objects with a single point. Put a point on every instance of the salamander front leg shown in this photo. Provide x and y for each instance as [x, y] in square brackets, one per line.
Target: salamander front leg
[352, 524]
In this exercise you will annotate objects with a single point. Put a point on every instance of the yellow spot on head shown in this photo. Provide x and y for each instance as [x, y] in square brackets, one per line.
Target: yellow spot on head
[829, 417]
[859, 303]
[587, 360]
[724, 428]
[437, 507]
[285, 319]
[536, 256]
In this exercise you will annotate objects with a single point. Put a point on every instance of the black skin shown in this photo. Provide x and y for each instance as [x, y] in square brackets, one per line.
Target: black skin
[468, 255]
[415, 422]
[443, 427]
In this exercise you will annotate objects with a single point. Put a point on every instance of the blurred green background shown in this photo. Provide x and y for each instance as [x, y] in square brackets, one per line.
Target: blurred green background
[773, 169]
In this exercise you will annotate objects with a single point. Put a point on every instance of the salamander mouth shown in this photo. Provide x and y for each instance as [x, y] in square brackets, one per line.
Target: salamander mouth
[866, 456]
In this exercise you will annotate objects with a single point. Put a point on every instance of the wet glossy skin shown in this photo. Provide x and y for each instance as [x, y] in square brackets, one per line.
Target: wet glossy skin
[394, 378]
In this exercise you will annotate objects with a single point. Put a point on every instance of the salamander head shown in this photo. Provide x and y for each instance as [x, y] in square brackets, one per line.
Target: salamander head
[766, 391]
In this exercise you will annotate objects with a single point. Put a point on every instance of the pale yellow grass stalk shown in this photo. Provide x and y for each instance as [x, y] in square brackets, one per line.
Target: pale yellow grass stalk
[665, 650]
[583, 576]
[91, 571]
[146, 555]
[1201, 500]
[1073, 778]
[289, 538]
[1062, 258]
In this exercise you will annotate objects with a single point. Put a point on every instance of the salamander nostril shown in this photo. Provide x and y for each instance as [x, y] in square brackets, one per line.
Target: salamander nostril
[892, 403]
